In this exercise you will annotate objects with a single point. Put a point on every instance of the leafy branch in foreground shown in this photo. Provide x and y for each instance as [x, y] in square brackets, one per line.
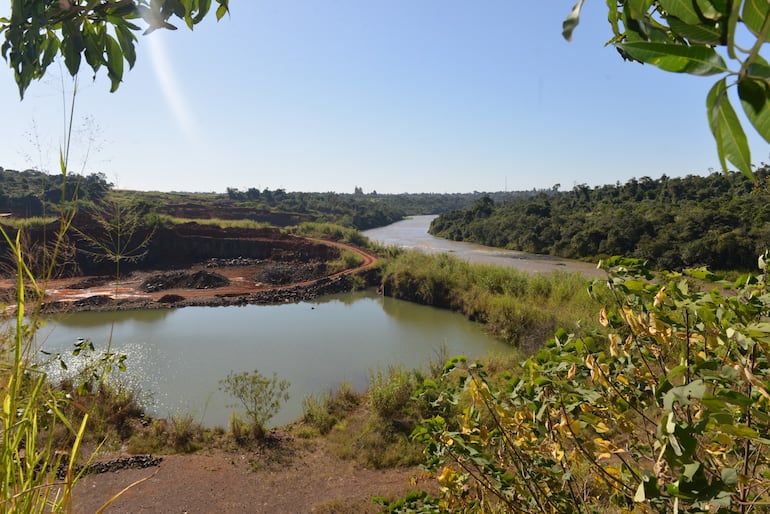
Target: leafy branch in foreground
[101, 31]
[687, 36]
[667, 412]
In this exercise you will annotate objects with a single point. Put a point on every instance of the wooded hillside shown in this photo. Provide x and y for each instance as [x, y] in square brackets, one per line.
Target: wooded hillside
[720, 220]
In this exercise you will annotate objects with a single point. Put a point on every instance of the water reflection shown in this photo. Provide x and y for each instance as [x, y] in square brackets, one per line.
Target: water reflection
[181, 356]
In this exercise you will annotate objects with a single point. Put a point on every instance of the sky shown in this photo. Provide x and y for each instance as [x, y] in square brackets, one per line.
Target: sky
[391, 96]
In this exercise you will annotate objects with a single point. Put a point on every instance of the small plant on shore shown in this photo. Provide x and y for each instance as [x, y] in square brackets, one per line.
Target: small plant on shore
[325, 411]
[261, 397]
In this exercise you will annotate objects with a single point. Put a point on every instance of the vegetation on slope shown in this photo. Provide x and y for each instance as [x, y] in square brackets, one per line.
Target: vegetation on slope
[520, 308]
[721, 221]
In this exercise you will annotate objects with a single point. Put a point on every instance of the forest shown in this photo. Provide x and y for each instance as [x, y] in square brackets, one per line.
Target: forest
[721, 220]
[31, 193]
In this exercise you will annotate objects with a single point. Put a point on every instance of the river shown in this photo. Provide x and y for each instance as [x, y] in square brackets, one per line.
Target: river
[413, 234]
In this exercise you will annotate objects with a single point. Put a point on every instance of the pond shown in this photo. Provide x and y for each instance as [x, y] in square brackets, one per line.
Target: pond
[177, 357]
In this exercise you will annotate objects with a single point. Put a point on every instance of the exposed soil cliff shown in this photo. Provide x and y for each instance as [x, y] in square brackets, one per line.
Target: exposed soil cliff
[192, 264]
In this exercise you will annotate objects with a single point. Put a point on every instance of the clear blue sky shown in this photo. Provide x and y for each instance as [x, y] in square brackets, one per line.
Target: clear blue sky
[393, 96]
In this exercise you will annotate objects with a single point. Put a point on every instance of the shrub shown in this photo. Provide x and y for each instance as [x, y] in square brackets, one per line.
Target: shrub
[261, 397]
[326, 411]
[666, 411]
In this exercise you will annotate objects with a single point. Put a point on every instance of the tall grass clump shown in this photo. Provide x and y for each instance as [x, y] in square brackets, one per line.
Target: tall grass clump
[324, 411]
[217, 222]
[37, 474]
[31, 222]
[346, 260]
[518, 307]
[331, 232]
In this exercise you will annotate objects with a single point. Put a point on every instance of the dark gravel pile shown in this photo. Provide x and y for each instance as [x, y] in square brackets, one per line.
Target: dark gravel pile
[91, 282]
[184, 280]
[280, 273]
[110, 466]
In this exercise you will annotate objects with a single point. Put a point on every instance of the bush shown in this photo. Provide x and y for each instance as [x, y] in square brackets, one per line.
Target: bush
[666, 411]
[326, 411]
[261, 397]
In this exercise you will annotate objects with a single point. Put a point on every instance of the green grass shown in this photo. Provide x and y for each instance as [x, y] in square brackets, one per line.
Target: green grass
[520, 308]
[34, 221]
[330, 231]
[242, 223]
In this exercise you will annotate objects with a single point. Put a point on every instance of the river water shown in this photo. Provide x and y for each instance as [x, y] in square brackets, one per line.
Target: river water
[413, 234]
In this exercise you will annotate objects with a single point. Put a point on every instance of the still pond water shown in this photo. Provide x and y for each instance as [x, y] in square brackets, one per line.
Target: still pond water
[178, 356]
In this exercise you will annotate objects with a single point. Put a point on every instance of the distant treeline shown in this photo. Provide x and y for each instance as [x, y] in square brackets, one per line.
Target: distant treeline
[721, 220]
[357, 209]
[32, 193]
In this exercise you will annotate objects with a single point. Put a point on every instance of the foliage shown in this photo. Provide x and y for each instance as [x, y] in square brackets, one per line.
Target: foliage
[520, 308]
[346, 260]
[379, 436]
[722, 221]
[325, 411]
[357, 210]
[31, 193]
[332, 232]
[32, 416]
[668, 412]
[261, 397]
[705, 38]
[115, 231]
[102, 31]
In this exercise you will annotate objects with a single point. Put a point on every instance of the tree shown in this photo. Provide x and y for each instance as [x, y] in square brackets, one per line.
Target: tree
[687, 36]
[102, 31]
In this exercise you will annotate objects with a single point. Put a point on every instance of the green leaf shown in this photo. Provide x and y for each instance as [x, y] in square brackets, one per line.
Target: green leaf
[682, 9]
[690, 470]
[568, 26]
[695, 60]
[638, 8]
[114, 63]
[51, 49]
[684, 394]
[93, 50]
[758, 70]
[739, 431]
[755, 13]
[126, 39]
[221, 11]
[203, 8]
[755, 98]
[72, 46]
[702, 33]
[727, 130]
[729, 476]
[714, 9]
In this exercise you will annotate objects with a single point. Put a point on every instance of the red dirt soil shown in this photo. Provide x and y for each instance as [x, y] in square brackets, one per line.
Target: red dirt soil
[128, 289]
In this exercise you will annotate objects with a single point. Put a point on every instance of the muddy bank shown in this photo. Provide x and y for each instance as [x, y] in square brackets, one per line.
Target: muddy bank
[270, 296]
[201, 265]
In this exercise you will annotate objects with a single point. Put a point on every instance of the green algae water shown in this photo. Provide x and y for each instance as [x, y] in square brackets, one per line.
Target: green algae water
[177, 357]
